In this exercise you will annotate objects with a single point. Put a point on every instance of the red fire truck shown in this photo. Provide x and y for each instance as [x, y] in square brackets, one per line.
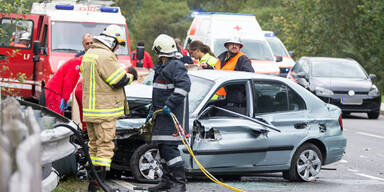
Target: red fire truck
[36, 45]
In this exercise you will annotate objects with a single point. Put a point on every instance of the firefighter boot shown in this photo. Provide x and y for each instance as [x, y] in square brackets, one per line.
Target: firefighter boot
[93, 185]
[165, 182]
[178, 180]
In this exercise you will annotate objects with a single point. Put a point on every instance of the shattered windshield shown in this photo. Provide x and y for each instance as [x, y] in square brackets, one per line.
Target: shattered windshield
[67, 36]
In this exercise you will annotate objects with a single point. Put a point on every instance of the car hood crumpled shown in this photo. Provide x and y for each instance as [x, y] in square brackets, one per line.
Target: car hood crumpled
[342, 84]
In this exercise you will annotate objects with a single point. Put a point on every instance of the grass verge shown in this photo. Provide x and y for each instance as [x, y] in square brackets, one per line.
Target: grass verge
[71, 184]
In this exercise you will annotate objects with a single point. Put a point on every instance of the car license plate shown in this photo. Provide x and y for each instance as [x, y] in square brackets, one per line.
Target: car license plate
[351, 101]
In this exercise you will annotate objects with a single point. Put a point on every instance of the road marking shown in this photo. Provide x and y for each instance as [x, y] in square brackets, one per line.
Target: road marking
[370, 177]
[352, 170]
[370, 135]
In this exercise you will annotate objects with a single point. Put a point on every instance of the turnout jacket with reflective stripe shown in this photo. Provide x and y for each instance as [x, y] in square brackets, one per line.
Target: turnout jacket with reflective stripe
[171, 85]
[101, 71]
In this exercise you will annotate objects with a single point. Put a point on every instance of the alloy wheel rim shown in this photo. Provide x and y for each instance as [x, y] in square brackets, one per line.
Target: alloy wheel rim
[308, 165]
[149, 165]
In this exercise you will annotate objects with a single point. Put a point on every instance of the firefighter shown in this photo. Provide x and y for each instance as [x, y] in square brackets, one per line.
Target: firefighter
[203, 53]
[59, 88]
[103, 97]
[171, 85]
[233, 59]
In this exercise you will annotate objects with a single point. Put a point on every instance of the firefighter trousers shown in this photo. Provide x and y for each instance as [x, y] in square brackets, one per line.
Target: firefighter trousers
[100, 143]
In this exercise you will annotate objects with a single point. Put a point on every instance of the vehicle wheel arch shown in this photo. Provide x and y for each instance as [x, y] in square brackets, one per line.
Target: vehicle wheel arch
[319, 145]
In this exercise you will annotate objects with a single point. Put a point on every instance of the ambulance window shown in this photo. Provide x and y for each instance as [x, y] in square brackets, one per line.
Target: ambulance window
[16, 33]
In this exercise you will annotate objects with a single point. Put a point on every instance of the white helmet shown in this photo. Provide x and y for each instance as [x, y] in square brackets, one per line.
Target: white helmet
[165, 46]
[25, 36]
[234, 39]
[115, 32]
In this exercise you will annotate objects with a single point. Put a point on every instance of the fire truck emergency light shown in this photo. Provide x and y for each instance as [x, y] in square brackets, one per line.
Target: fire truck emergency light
[109, 9]
[65, 7]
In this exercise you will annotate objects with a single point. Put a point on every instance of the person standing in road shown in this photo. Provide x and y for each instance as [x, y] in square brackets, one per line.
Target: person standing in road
[146, 62]
[171, 85]
[233, 59]
[103, 97]
[203, 53]
[87, 42]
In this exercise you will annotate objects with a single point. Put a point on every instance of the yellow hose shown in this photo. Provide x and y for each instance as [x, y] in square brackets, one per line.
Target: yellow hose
[206, 173]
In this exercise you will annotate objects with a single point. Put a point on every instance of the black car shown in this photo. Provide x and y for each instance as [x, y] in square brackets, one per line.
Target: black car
[339, 81]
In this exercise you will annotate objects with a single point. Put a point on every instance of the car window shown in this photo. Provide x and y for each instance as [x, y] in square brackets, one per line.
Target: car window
[273, 96]
[232, 97]
[297, 68]
[338, 69]
[16, 33]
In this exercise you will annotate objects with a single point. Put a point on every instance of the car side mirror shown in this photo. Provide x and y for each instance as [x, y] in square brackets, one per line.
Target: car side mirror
[291, 53]
[372, 77]
[279, 58]
[301, 74]
[36, 47]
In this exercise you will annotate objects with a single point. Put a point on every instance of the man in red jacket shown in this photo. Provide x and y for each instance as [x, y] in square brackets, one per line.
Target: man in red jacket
[147, 61]
[61, 85]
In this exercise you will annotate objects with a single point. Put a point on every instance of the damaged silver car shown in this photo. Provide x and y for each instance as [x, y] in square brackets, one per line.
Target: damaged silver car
[263, 124]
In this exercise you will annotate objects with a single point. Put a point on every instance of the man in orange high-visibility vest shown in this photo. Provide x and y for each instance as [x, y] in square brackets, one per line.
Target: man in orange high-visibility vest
[233, 60]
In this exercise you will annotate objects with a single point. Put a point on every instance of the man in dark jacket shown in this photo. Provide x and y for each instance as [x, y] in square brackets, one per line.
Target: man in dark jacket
[171, 85]
[233, 59]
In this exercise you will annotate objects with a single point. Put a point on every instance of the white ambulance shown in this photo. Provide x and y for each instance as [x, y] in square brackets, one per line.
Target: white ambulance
[213, 29]
[279, 49]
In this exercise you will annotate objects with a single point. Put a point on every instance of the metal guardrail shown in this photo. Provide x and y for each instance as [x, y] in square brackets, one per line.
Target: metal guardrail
[29, 145]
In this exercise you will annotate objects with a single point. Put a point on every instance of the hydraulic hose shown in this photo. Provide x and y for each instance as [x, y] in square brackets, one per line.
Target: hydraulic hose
[77, 133]
[181, 131]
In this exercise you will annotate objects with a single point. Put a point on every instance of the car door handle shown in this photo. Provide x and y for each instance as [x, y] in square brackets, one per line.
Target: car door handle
[301, 125]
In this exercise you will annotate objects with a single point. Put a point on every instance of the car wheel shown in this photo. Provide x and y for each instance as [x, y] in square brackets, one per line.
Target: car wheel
[145, 164]
[305, 164]
[373, 115]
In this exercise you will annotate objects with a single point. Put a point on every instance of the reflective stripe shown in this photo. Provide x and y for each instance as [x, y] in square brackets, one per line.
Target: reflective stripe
[92, 84]
[180, 91]
[130, 76]
[104, 112]
[101, 161]
[174, 160]
[163, 86]
[115, 76]
[165, 138]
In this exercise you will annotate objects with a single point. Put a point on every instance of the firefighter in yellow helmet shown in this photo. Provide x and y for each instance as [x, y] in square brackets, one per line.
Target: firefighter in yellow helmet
[103, 97]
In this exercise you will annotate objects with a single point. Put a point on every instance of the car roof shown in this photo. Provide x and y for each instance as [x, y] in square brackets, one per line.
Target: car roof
[221, 75]
[327, 59]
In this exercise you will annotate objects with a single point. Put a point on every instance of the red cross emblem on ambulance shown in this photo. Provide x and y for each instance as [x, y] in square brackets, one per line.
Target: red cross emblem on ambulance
[238, 28]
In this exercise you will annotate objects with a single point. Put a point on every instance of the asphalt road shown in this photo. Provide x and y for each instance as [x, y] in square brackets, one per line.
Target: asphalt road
[361, 169]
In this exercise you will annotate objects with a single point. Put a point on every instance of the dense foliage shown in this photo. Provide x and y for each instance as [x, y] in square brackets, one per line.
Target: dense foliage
[334, 28]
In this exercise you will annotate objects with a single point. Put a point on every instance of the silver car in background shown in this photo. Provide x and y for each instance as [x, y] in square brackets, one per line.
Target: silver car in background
[263, 124]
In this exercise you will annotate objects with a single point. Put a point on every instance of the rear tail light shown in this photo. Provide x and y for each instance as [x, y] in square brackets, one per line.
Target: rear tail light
[341, 123]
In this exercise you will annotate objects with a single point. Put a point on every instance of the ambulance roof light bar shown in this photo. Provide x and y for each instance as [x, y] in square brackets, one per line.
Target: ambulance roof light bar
[65, 7]
[109, 9]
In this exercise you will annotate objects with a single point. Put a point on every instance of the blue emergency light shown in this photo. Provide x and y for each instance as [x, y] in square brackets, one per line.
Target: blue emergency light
[269, 34]
[109, 9]
[65, 7]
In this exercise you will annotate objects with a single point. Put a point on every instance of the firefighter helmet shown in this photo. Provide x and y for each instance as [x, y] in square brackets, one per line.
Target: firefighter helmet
[25, 36]
[165, 46]
[115, 32]
[235, 40]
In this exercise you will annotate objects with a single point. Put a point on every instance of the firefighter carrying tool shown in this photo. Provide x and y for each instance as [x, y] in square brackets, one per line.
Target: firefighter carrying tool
[103, 97]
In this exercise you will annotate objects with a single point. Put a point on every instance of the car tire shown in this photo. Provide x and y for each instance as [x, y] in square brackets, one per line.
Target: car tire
[373, 115]
[145, 164]
[305, 165]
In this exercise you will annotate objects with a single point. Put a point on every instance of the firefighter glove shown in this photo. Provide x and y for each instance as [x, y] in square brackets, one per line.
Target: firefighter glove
[166, 110]
[133, 71]
[149, 116]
